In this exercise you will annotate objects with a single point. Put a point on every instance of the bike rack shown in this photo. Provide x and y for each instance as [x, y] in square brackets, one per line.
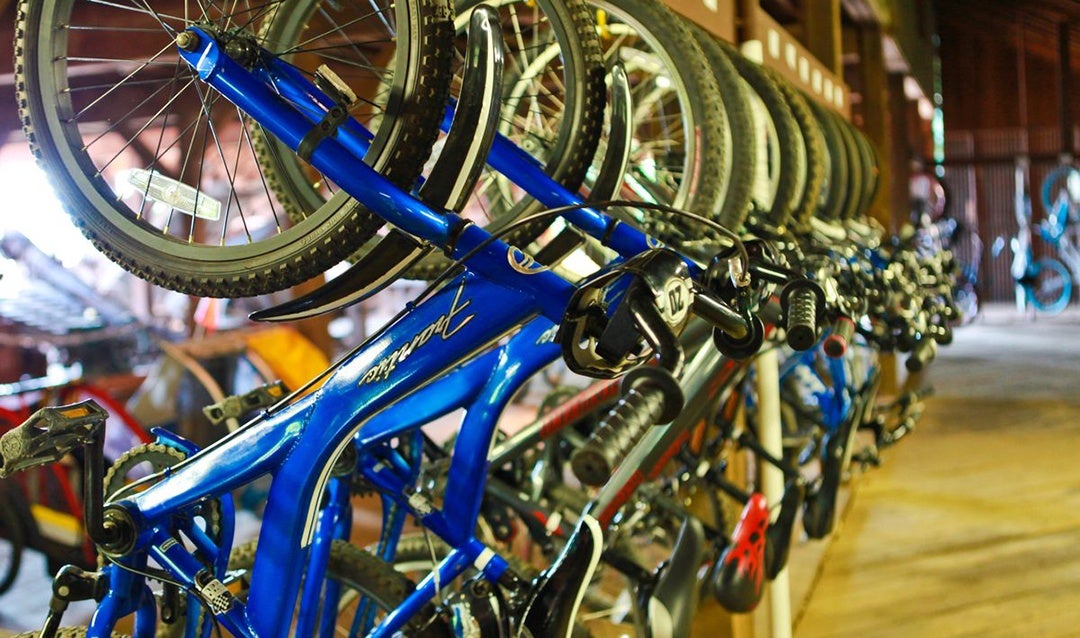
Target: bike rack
[770, 433]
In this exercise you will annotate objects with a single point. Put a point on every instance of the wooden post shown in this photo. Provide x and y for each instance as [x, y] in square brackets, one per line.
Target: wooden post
[901, 151]
[821, 33]
[875, 124]
[1065, 87]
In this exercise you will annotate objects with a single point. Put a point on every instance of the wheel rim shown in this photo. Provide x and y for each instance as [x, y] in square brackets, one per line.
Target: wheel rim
[538, 86]
[1052, 287]
[176, 169]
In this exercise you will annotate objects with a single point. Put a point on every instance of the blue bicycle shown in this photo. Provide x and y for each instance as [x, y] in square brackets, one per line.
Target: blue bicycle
[364, 418]
[176, 528]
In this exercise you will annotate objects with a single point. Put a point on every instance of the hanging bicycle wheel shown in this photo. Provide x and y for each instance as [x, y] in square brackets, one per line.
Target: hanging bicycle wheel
[832, 205]
[680, 152]
[162, 173]
[853, 193]
[816, 157]
[1062, 181]
[552, 99]
[1051, 286]
[782, 157]
[735, 94]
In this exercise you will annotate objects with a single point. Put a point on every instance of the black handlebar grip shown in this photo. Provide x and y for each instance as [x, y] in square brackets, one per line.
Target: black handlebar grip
[637, 411]
[921, 355]
[836, 344]
[802, 318]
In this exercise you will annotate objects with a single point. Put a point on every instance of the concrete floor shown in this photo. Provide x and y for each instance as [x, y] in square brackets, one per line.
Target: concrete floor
[972, 526]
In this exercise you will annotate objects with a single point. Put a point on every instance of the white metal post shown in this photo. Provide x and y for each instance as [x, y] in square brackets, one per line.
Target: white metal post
[772, 479]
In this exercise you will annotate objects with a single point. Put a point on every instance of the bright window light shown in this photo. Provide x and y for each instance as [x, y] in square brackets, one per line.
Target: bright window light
[30, 207]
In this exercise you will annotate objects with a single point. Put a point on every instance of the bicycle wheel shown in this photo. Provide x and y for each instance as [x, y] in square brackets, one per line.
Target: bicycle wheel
[552, 99]
[1064, 177]
[553, 102]
[832, 207]
[362, 578]
[1051, 286]
[785, 166]
[680, 144]
[738, 197]
[813, 146]
[12, 537]
[871, 171]
[161, 173]
[853, 190]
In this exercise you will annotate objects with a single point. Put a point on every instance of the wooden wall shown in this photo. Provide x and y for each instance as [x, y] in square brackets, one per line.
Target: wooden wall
[1001, 98]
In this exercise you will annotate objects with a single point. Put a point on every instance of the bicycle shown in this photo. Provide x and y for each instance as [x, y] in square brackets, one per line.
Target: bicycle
[443, 314]
[387, 368]
[42, 510]
[1044, 284]
[1056, 229]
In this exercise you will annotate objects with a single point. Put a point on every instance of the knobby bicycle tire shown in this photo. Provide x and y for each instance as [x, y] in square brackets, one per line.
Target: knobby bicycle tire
[134, 193]
[871, 171]
[368, 576]
[681, 150]
[853, 192]
[833, 204]
[791, 165]
[738, 196]
[816, 156]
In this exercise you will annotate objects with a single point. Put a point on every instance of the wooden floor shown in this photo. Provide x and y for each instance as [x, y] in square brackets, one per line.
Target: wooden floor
[972, 526]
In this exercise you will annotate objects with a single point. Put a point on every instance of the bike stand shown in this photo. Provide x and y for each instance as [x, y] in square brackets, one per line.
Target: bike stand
[770, 433]
[448, 186]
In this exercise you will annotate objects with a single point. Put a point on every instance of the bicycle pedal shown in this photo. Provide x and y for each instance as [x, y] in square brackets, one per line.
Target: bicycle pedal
[236, 406]
[332, 85]
[49, 434]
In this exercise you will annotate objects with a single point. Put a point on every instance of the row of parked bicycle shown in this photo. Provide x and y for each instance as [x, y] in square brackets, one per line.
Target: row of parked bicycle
[723, 217]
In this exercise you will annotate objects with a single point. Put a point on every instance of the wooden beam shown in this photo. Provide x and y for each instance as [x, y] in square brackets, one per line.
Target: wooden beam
[821, 32]
[1065, 87]
[876, 109]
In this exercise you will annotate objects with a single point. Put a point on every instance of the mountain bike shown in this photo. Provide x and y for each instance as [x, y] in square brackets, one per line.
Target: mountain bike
[424, 341]
[1045, 283]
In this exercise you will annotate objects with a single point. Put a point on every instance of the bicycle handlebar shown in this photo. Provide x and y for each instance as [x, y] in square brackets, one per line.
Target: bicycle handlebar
[643, 405]
[836, 344]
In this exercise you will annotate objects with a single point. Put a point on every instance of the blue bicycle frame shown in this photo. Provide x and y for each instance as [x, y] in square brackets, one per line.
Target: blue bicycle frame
[298, 442]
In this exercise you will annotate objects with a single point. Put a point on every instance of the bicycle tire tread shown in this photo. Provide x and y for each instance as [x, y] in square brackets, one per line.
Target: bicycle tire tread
[273, 270]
